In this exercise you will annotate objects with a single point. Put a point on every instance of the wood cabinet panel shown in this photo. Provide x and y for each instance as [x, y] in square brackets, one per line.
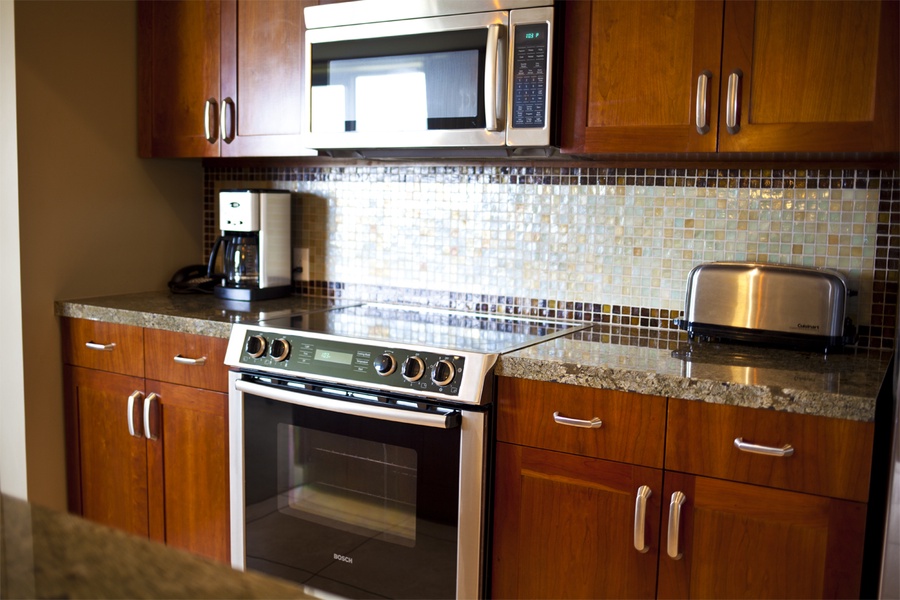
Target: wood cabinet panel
[179, 44]
[108, 473]
[746, 541]
[113, 347]
[567, 528]
[633, 425]
[816, 76]
[831, 457]
[191, 451]
[208, 353]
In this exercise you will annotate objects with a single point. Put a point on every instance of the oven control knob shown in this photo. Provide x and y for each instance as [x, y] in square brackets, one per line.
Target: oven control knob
[256, 346]
[281, 348]
[385, 365]
[413, 368]
[443, 372]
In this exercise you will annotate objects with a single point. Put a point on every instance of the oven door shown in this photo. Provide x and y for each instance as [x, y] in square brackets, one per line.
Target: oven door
[354, 497]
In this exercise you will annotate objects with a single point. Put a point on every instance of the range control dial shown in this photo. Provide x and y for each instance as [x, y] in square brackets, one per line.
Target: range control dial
[413, 368]
[385, 365]
[443, 372]
[256, 346]
[280, 350]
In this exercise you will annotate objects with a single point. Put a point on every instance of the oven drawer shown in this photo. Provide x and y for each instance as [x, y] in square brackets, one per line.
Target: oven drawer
[830, 457]
[103, 346]
[549, 415]
[186, 359]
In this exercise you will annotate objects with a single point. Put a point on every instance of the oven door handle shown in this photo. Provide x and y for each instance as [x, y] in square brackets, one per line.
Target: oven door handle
[396, 415]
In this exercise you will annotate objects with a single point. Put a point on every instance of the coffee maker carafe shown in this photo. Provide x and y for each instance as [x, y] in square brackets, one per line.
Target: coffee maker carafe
[252, 258]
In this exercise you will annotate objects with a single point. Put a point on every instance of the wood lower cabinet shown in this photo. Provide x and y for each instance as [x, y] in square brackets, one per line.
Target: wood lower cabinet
[736, 76]
[148, 456]
[736, 540]
[720, 521]
[568, 520]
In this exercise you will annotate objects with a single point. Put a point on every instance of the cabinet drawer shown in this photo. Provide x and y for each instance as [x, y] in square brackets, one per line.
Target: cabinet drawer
[632, 425]
[831, 457]
[186, 359]
[103, 346]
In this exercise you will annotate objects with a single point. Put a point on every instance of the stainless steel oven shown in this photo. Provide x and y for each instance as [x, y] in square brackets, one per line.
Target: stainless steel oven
[361, 444]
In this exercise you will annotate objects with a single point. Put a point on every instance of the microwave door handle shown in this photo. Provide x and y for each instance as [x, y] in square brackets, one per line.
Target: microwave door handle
[491, 76]
[396, 415]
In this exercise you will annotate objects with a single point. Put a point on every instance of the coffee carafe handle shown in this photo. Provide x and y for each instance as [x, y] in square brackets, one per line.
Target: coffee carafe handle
[211, 268]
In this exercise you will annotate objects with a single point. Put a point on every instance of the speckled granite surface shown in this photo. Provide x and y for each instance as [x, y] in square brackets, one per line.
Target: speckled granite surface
[841, 385]
[45, 554]
[201, 314]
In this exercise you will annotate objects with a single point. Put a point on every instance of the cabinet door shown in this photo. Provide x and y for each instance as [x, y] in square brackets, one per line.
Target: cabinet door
[816, 76]
[631, 75]
[107, 465]
[262, 77]
[744, 541]
[564, 526]
[189, 469]
[178, 62]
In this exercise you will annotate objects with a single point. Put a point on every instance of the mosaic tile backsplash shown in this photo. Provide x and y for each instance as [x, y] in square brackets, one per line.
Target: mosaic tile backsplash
[608, 245]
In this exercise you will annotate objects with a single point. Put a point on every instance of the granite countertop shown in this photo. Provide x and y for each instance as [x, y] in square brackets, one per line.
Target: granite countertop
[46, 554]
[842, 384]
[202, 314]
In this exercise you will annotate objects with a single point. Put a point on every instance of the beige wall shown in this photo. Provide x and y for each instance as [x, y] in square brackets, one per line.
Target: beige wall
[94, 218]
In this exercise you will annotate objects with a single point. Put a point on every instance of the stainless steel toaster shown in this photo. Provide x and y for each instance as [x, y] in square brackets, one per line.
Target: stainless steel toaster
[784, 305]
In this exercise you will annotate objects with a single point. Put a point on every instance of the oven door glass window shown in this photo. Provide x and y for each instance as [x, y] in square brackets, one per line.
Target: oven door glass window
[349, 505]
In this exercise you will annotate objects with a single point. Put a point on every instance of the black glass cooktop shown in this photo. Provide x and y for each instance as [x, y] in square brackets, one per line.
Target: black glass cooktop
[434, 328]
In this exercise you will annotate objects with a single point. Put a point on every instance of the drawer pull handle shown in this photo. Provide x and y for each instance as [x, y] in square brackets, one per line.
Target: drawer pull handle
[102, 347]
[672, 549]
[130, 416]
[592, 424]
[184, 360]
[640, 518]
[148, 403]
[782, 452]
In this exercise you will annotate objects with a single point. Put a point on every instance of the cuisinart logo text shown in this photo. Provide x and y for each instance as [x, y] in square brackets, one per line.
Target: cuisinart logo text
[806, 326]
[343, 558]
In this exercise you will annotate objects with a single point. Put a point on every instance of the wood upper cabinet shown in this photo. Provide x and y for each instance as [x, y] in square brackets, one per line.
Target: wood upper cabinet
[147, 445]
[735, 76]
[220, 77]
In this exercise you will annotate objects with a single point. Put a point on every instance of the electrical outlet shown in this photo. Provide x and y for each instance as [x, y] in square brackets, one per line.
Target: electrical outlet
[304, 264]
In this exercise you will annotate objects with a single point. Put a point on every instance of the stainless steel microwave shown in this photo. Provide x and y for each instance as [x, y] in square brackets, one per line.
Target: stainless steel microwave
[434, 77]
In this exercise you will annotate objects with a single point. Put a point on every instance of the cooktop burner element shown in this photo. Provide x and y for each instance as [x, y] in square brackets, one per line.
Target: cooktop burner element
[431, 353]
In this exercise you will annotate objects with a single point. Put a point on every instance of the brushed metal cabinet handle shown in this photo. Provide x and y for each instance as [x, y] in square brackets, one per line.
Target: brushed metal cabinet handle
[130, 415]
[184, 360]
[148, 403]
[702, 106]
[732, 110]
[210, 126]
[587, 424]
[228, 126]
[491, 76]
[102, 347]
[783, 452]
[672, 549]
[640, 519]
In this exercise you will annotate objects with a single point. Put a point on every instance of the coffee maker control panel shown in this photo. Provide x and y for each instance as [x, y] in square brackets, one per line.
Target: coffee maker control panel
[239, 211]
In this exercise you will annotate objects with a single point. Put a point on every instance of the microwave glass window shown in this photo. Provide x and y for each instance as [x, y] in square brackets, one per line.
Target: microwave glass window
[410, 83]
[355, 485]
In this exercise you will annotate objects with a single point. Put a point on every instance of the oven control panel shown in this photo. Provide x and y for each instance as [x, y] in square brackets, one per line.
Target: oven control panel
[404, 369]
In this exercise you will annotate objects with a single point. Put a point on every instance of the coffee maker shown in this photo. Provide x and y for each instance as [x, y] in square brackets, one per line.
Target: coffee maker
[255, 245]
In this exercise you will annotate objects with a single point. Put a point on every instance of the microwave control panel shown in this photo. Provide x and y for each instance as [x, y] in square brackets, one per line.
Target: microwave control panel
[530, 75]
